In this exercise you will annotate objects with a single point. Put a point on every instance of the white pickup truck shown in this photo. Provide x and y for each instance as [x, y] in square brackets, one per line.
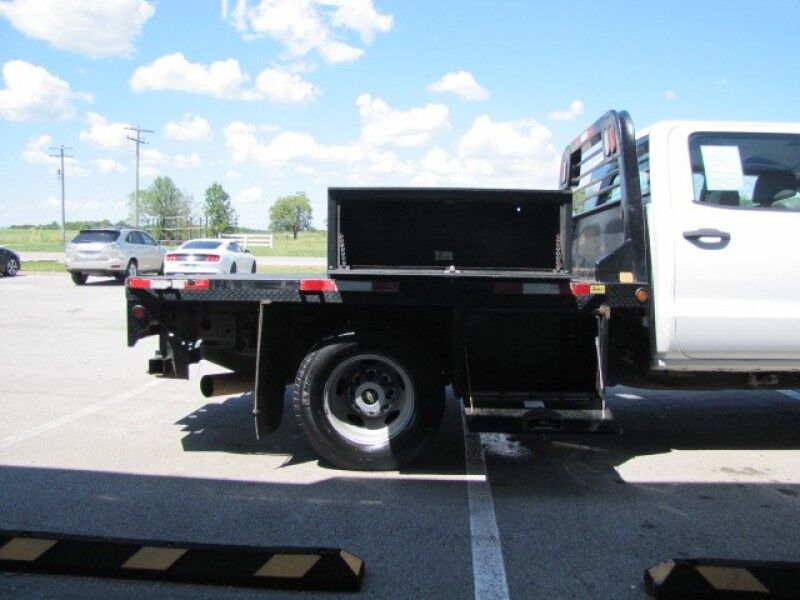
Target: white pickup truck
[665, 259]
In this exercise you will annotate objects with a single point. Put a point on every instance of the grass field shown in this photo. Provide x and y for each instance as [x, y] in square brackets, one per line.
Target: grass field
[310, 243]
[52, 266]
[25, 240]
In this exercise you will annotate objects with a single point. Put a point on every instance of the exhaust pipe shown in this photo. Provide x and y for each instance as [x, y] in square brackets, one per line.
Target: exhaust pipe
[223, 384]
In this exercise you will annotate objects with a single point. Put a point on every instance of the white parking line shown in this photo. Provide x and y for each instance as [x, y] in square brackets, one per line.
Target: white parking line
[791, 394]
[72, 417]
[488, 568]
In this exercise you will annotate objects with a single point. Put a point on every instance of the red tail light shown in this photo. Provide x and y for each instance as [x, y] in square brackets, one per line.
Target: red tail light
[138, 283]
[580, 289]
[171, 257]
[212, 258]
[317, 285]
[139, 313]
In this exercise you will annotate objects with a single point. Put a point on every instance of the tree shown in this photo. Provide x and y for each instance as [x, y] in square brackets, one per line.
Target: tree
[220, 215]
[167, 204]
[291, 213]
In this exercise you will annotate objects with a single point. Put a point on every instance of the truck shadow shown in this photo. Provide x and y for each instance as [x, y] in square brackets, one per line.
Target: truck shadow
[228, 426]
[653, 422]
[656, 423]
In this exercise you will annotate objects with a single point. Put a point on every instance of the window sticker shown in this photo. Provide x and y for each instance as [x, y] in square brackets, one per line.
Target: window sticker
[723, 167]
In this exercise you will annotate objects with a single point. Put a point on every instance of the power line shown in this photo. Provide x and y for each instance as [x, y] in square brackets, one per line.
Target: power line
[138, 141]
[60, 153]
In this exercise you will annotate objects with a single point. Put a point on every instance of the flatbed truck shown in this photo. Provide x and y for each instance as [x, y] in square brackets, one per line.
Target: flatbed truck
[663, 260]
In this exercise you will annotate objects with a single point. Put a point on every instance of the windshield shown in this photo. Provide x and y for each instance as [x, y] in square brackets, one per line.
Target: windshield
[201, 245]
[746, 170]
[105, 237]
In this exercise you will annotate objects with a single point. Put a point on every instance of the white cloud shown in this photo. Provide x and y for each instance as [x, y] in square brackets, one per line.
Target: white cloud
[94, 29]
[283, 87]
[32, 93]
[490, 153]
[150, 161]
[109, 165]
[192, 161]
[36, 151]
[304, 26]
[670, 95]
[575, 109]
[251, 195]
[191, 127]
[221, 79]
[104, 133]
[520, 138]
[381, 124]
[233, 174]
[461, 83]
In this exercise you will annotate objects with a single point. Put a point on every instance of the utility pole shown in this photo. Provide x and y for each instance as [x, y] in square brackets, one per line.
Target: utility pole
[59, 152]
[138, 141]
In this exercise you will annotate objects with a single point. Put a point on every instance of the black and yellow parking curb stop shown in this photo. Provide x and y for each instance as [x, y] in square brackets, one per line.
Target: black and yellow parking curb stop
[714, 579]
[319, 569]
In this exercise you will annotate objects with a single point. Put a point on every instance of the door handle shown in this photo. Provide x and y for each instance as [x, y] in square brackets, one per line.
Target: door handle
[697, 234]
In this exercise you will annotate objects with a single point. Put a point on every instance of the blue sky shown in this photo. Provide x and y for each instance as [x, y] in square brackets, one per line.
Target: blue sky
[269, 97]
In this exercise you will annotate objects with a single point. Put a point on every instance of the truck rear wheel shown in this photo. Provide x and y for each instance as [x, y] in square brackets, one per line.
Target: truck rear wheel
[367, 404]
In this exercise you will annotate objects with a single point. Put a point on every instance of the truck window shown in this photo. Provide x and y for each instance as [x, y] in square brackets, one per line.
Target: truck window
[105, 237]
[746, 170]
[643, 155]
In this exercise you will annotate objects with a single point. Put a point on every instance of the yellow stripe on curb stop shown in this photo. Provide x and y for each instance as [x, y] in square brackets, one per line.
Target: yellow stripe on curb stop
[28, 549]
[288, 565]
[352, 561]
[731, 579]
[153, 558]
[661, 571]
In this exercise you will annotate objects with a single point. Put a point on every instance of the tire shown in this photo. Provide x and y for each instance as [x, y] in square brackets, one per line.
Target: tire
[11, 268]
[161, 269]
[132, 270]
[253, 268]
[233, 269]
[78, 278]
[331, 397]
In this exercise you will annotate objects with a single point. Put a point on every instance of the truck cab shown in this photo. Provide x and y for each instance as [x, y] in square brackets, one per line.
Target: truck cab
[722, 208]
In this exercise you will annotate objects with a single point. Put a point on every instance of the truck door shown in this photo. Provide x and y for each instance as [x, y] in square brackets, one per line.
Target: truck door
[736, 221]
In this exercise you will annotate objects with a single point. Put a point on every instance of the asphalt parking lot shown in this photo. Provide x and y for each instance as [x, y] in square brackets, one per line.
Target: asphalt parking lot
[90, 444]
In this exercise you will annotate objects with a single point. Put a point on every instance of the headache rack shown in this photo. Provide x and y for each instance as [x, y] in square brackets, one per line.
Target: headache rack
[600, 169]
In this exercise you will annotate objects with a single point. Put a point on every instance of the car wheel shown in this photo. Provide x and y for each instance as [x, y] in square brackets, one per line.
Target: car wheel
[368, 404]
[161, 270]
[12, 267]
[253, 268]
[78, 278]
[132, 270]
[233, 268]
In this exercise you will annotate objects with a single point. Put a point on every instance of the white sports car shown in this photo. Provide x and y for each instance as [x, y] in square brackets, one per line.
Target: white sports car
[209, 257]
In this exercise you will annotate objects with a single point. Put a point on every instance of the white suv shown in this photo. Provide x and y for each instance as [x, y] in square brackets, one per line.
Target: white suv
[117, 252]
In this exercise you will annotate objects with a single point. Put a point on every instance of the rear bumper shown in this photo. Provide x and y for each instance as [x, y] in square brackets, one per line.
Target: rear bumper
[99, 265]
[190, 271]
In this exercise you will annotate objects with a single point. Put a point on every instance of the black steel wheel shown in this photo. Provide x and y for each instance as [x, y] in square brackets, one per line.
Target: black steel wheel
[368, 403]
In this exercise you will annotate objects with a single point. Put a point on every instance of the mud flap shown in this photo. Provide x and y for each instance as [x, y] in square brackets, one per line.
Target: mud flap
[270, 384]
